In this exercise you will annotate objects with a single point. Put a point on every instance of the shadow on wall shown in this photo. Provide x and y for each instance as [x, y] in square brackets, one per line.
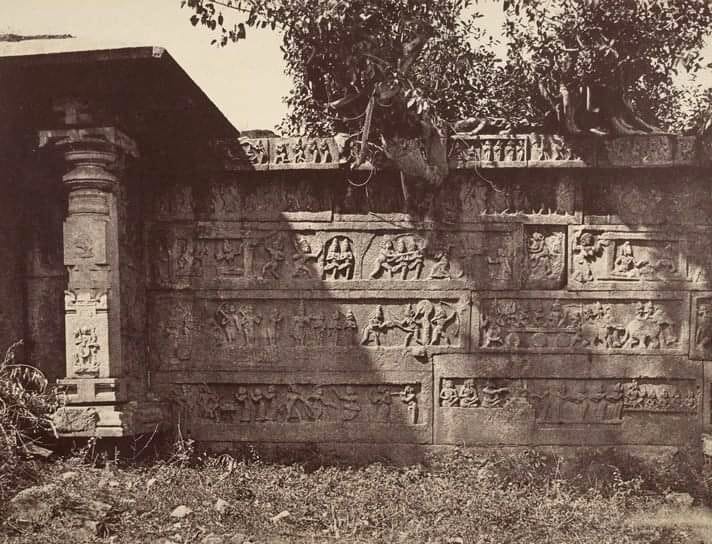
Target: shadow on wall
[293, 311]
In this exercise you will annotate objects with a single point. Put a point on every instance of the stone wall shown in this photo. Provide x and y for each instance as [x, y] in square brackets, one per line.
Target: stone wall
[514, 306]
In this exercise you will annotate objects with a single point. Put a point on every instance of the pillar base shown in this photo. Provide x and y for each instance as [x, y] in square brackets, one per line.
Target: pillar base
[109, 420]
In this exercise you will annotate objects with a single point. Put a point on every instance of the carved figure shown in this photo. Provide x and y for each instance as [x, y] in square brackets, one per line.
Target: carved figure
[510, 151]
[586, 248]
[299, 152]
[244, 400]
[410, 399]
[339, 261]
[440, 321]
[385, 260]
[297, 405]
[468, 394]
[324, 152]
[703, 332]
[625, 262]
[281, 154]
[412, 260]
[250, 321]
[350, 405]
[301, 258]
[272, 329]
[87, 347]
[229, 321]
[350, 328]
[491, 333]
[492, 396]
[300, 322]
[313, 151]
[486, 152]
[319, 403]
[448, 394]
[276, 257]
[375, 327]
[382, 399]
[441, 269]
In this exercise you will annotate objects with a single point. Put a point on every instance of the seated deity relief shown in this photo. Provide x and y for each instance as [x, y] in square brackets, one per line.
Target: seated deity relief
[616, 325]
[572, 401]
[612, 257]
[298, 403]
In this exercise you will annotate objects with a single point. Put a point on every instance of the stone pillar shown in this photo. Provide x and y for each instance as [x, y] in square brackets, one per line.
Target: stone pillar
[105, 388]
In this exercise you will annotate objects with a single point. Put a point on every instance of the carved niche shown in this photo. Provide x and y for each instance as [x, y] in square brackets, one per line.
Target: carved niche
[87, 333]
[545, 262]
[701, 331]
[643, 325]
[610, 257]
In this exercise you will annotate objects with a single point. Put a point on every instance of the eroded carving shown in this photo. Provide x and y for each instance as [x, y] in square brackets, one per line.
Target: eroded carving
[634, 325]
[545, 259]
[296, 403]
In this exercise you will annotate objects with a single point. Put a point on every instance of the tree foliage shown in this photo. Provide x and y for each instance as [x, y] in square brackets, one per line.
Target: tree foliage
[605, 65]
[388, 70]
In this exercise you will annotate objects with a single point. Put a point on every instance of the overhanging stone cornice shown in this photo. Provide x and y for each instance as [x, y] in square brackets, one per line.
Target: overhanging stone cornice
[467, 151]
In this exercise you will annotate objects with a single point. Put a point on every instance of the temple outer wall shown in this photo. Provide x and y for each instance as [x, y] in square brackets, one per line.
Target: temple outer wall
[546, 295]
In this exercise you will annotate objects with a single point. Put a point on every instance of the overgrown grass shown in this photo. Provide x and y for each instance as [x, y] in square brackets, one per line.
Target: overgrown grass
[26, 402]
[458, 497]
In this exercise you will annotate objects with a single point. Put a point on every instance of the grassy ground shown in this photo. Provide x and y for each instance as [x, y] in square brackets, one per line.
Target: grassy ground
[455, 499]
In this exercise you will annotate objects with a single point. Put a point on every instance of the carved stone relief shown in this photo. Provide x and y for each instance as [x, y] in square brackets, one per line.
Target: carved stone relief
[87, 333]
[561, 401]
[610, 257]
[299, 403]
[637, 325]
[545, 258]
[230, 332]
[701, 330]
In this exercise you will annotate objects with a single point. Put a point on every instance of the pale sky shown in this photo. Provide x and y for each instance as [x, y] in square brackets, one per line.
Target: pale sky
[245, 80]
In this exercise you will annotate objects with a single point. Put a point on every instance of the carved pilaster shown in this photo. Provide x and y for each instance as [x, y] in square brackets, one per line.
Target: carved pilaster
[99, 374]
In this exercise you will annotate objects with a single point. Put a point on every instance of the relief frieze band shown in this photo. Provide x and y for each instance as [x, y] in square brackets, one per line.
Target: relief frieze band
[306, 407]
[562, 401]
[278, 328]
[238, 255]
[649, 322]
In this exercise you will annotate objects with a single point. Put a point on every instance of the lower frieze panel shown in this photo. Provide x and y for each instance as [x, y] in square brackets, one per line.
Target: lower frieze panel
[596, 403]
[389, 407]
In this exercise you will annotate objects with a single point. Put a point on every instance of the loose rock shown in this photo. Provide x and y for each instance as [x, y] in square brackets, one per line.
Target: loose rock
[181, 511]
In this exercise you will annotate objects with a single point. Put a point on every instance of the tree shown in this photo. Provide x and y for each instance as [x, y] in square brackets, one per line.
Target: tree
[384, 71]
[391, 71]
[605, 66]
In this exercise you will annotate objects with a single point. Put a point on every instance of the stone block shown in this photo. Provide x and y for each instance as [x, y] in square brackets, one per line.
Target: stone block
[87, 334]
[543, 400]
[298, 407]
[638, 151]
[222, 255]
[634, 258]
[296, 330]
[639, 322]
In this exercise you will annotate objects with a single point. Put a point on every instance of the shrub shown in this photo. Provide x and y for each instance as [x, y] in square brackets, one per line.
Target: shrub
[26, 403]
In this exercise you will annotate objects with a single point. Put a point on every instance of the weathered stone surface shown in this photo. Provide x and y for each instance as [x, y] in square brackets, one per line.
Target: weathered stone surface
[300, 407]
[277, 297]
[604, 400]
